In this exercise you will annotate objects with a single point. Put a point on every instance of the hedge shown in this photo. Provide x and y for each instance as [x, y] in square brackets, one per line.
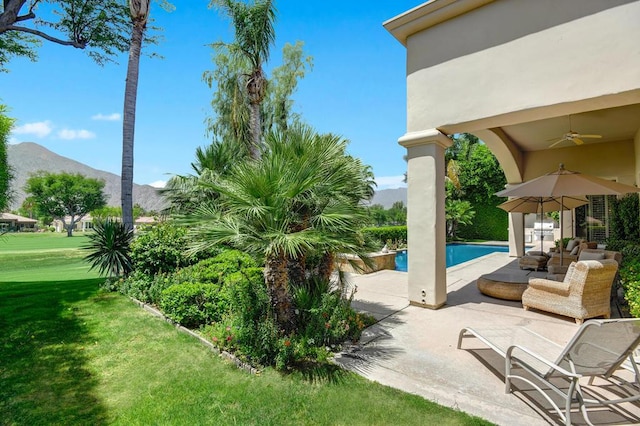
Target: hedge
[489, 223]
[397, 235]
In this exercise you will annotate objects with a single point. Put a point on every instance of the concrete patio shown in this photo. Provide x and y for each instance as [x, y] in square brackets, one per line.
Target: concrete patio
[414, 349]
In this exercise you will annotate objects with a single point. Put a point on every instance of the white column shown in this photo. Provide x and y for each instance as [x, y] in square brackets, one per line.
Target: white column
[426, 239]
[516, 234]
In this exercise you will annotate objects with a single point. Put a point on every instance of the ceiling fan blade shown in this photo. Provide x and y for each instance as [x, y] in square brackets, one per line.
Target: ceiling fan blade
[557, 142]
[578, 141]
[591, 136]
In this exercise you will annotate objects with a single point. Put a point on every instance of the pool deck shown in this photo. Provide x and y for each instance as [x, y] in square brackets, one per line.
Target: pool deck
[414, 349]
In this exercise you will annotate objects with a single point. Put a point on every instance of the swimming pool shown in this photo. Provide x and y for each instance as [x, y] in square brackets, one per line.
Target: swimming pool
[456, 253]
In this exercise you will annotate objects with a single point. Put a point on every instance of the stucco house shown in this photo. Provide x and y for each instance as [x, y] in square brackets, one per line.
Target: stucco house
[518, 74]
[13, 222]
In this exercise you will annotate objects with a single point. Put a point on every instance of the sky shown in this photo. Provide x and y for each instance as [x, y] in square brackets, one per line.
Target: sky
[356, 89]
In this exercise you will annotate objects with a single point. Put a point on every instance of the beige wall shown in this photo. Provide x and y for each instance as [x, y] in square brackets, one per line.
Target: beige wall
[636, 144]
[613, 160]
[459, 72]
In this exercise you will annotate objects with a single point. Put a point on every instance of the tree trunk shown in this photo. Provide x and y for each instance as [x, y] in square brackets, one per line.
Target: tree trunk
[255, 122]
[296, 269]
[69, 227]
[325, 269]
[256, 86]
[276, 279]
[129, 123]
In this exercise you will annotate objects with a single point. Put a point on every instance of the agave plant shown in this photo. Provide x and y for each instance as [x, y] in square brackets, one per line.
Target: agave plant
[109, 248]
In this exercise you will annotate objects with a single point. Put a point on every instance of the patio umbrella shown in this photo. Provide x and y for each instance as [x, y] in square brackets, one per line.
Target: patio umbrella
[541, 205]
[566, 183]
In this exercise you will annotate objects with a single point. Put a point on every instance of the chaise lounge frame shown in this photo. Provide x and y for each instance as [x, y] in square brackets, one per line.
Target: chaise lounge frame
[598, 349]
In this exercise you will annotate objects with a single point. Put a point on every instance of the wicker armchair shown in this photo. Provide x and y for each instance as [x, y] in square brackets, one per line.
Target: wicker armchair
[583, 294]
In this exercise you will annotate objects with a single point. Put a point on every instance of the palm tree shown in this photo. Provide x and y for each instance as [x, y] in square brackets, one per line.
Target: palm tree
[254, 35]
[302, 197]
[139, 14]
[458, 212]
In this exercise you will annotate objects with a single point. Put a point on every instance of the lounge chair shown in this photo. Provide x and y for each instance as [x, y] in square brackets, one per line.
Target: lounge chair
[584, 293]
[535, 260]
[597, 350]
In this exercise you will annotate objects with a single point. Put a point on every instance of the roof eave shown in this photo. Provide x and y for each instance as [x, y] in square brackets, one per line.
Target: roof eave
[428, 15]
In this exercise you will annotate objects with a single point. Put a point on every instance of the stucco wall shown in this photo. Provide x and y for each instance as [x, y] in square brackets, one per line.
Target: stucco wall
[519, 55]
[613, 160]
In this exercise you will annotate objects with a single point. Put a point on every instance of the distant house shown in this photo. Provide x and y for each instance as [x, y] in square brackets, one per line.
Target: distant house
[13, 222]
[144, 220]
[84, 224]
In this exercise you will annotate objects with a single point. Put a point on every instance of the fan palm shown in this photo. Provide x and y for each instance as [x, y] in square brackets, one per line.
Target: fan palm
[254, 35]
[303, 196]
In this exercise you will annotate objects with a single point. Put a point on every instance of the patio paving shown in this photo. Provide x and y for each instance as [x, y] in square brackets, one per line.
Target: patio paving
[414, 349]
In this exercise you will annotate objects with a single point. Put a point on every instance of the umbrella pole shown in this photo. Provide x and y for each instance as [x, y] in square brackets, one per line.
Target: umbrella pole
[561, 230]
[541, 225]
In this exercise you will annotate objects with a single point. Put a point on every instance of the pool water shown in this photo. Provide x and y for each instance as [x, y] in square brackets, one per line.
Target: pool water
[456, 253]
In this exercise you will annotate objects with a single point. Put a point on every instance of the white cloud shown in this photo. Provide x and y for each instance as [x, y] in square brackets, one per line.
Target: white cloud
[390, 182]
[75, 134]
[159, 184]
[39, 129]
[106, 117]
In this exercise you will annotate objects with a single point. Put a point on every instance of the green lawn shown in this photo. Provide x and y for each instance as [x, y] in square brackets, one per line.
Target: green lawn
[43, 256]
[40, 241]
[73, 355]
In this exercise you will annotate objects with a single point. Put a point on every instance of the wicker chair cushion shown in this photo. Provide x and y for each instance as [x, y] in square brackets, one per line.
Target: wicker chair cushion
[585, 255]
[561, 288]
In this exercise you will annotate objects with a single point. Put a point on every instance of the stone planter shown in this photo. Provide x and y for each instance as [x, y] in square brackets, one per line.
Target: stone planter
[380, 260]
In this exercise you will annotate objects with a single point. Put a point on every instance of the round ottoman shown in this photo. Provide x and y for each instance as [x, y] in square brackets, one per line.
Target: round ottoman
[503, 285]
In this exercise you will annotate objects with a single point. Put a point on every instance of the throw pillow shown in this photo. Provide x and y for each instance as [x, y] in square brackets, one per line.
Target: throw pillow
[571, 244]
[590, 255]
[574, 251]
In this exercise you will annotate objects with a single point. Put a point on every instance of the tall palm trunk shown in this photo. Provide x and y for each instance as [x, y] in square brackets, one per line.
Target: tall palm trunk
[256, 87]
[276, 279]
[139, 14]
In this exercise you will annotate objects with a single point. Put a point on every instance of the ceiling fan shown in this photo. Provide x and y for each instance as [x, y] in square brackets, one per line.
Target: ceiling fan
[574, 137]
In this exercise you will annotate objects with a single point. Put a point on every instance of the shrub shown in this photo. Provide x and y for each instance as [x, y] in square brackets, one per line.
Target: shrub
[193, 305]
[254, 328]
[393, 236]
[143, 287]
[160, 248]
[325, 319]
[214, 269]
[629, 272]
[325, 315]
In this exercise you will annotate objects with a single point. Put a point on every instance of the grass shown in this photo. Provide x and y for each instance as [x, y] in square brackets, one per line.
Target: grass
[22, 242]
[42, 256]
[73, 355]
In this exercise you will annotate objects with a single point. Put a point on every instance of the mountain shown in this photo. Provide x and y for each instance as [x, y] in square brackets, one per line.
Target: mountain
[386, 197]
[27, 158]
